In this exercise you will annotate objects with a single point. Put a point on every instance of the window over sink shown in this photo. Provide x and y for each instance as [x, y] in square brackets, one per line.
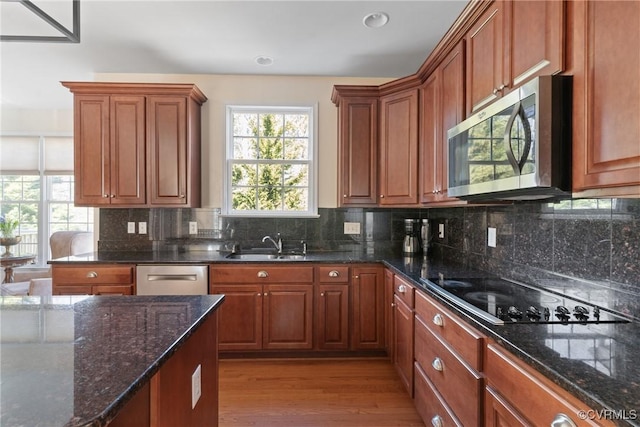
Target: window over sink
[271, 161]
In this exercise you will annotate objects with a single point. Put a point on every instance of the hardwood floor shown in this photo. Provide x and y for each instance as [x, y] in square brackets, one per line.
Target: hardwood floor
[310, 393]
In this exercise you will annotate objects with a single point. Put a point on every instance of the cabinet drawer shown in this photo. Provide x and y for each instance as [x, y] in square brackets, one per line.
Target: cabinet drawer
[261, 273]
[460, 385]
[466, 341]
[90, 275]
[404, 290]
[535, 397]
[333, 274]
[429, 404]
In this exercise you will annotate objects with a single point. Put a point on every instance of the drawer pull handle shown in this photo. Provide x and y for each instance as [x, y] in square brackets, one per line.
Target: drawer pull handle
[562, 420]
[437, 421]
[92, 274]
[402, 289]
[334, 273]
[438, 320]
[437, 364]
[263, 274]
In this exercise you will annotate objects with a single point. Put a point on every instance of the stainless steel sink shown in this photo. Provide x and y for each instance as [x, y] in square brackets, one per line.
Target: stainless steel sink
[265, 257]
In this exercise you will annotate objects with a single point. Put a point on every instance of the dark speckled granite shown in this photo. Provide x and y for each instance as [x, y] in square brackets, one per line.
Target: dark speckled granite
[75, 361]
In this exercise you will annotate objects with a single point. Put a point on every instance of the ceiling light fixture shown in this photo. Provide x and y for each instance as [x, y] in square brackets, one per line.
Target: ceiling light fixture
[375, 20]
[68, 36]
[265, 61]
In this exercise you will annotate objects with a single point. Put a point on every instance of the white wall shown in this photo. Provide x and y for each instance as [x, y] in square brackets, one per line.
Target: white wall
[223, 90]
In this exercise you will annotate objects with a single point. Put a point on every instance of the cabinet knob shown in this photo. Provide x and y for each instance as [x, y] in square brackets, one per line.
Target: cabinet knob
[112, 196]
[562, 420]
[437, 364]
[334, 273]
[382, 196]
[263, 274]
[437, 421]
[438, 320]
[259, 294]
[402, 289]
[501, 88]
[92, 274]
[182, 196]
[321, 294]
[106, 196]
[344, 195]
[356, 277]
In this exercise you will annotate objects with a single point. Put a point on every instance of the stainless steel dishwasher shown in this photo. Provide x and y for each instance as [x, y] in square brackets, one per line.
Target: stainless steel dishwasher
[172, 280]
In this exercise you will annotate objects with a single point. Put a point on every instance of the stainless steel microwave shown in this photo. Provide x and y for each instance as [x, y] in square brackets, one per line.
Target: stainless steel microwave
[518, 148]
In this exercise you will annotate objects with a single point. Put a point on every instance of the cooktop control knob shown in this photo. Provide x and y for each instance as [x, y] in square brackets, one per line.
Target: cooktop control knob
[596, 313]
[562, 313]
[514, 313]
[580, 312]
[533, 313]
[547, 314]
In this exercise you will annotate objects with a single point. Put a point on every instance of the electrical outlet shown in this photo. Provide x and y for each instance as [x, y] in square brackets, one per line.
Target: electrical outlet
[351, 228]
[491, 237]
[131, 227]
[196, 386]
[441, 231]
[193, 227]
[142, 228]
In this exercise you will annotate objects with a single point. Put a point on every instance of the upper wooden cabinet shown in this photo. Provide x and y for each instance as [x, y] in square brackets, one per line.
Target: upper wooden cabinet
[512, 42]
[136, 144]
[399, 148]
[357, 144]
[606, 108]
[441, 108]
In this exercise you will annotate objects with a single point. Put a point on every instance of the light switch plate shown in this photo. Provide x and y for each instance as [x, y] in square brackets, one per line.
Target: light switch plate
[351, 228]
[491, 237]
[441, 231]
[196, 386]
[193, 227]
[142, 228]
[131, 227]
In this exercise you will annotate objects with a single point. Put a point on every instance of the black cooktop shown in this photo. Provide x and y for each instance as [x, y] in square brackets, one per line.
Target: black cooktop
[502, 301]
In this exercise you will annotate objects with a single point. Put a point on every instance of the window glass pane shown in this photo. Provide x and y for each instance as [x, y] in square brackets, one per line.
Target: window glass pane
[296, 175]
[270, 175]
[271, 125]
[244, 199]
[296, 125]
[270, 198]
[295, 199]
[270, 148]
[245, 124]
[245, 148]
[61, 188]
[244, 174]
[296, 149]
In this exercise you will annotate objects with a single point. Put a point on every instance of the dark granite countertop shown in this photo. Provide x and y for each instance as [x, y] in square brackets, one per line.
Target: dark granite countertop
[76, 360]
[595, 362]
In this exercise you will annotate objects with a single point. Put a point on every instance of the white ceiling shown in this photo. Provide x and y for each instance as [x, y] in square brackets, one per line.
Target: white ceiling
[320, 38]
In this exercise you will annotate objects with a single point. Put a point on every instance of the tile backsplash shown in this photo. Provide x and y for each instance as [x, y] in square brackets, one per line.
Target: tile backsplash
[587, 239]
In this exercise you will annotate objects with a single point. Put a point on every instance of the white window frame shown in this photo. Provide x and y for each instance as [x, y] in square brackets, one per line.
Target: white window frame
[312, 162]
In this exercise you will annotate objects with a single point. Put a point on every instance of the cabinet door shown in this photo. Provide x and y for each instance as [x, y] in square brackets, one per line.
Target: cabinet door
[368, 308]
[389, 313]
[240, 317]
[399, 148]
[485, 44]
[358, 151]
[606, 152]
[536, 32]
[167, 123]
[403, 348]
[127, 151]
[288, 316]
[91, 150]
[499, 413]
[430, 137]
[332, 308]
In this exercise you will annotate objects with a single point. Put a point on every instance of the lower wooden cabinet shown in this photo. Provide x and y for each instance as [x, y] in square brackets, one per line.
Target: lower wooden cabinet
[517, 395]
[267, 308]
[332, 307]
[403, 334]
[367, 308]
[94, 279]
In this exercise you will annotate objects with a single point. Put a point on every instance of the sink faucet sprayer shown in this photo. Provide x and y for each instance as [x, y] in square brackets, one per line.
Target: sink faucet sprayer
[277, 244]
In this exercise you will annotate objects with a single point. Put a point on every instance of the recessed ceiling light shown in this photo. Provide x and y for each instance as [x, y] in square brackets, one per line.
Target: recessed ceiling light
[375, 20]
[264, 60]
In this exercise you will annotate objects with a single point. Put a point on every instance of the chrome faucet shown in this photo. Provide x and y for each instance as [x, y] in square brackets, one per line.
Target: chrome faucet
[277, 244]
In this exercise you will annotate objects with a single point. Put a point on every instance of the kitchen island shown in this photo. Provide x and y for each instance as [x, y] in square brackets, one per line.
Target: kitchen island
[107, 360]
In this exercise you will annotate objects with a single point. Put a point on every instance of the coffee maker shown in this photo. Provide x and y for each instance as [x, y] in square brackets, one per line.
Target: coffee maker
[411, 245]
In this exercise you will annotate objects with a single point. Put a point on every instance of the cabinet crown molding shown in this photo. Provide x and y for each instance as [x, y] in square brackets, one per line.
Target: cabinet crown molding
[111, 88]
